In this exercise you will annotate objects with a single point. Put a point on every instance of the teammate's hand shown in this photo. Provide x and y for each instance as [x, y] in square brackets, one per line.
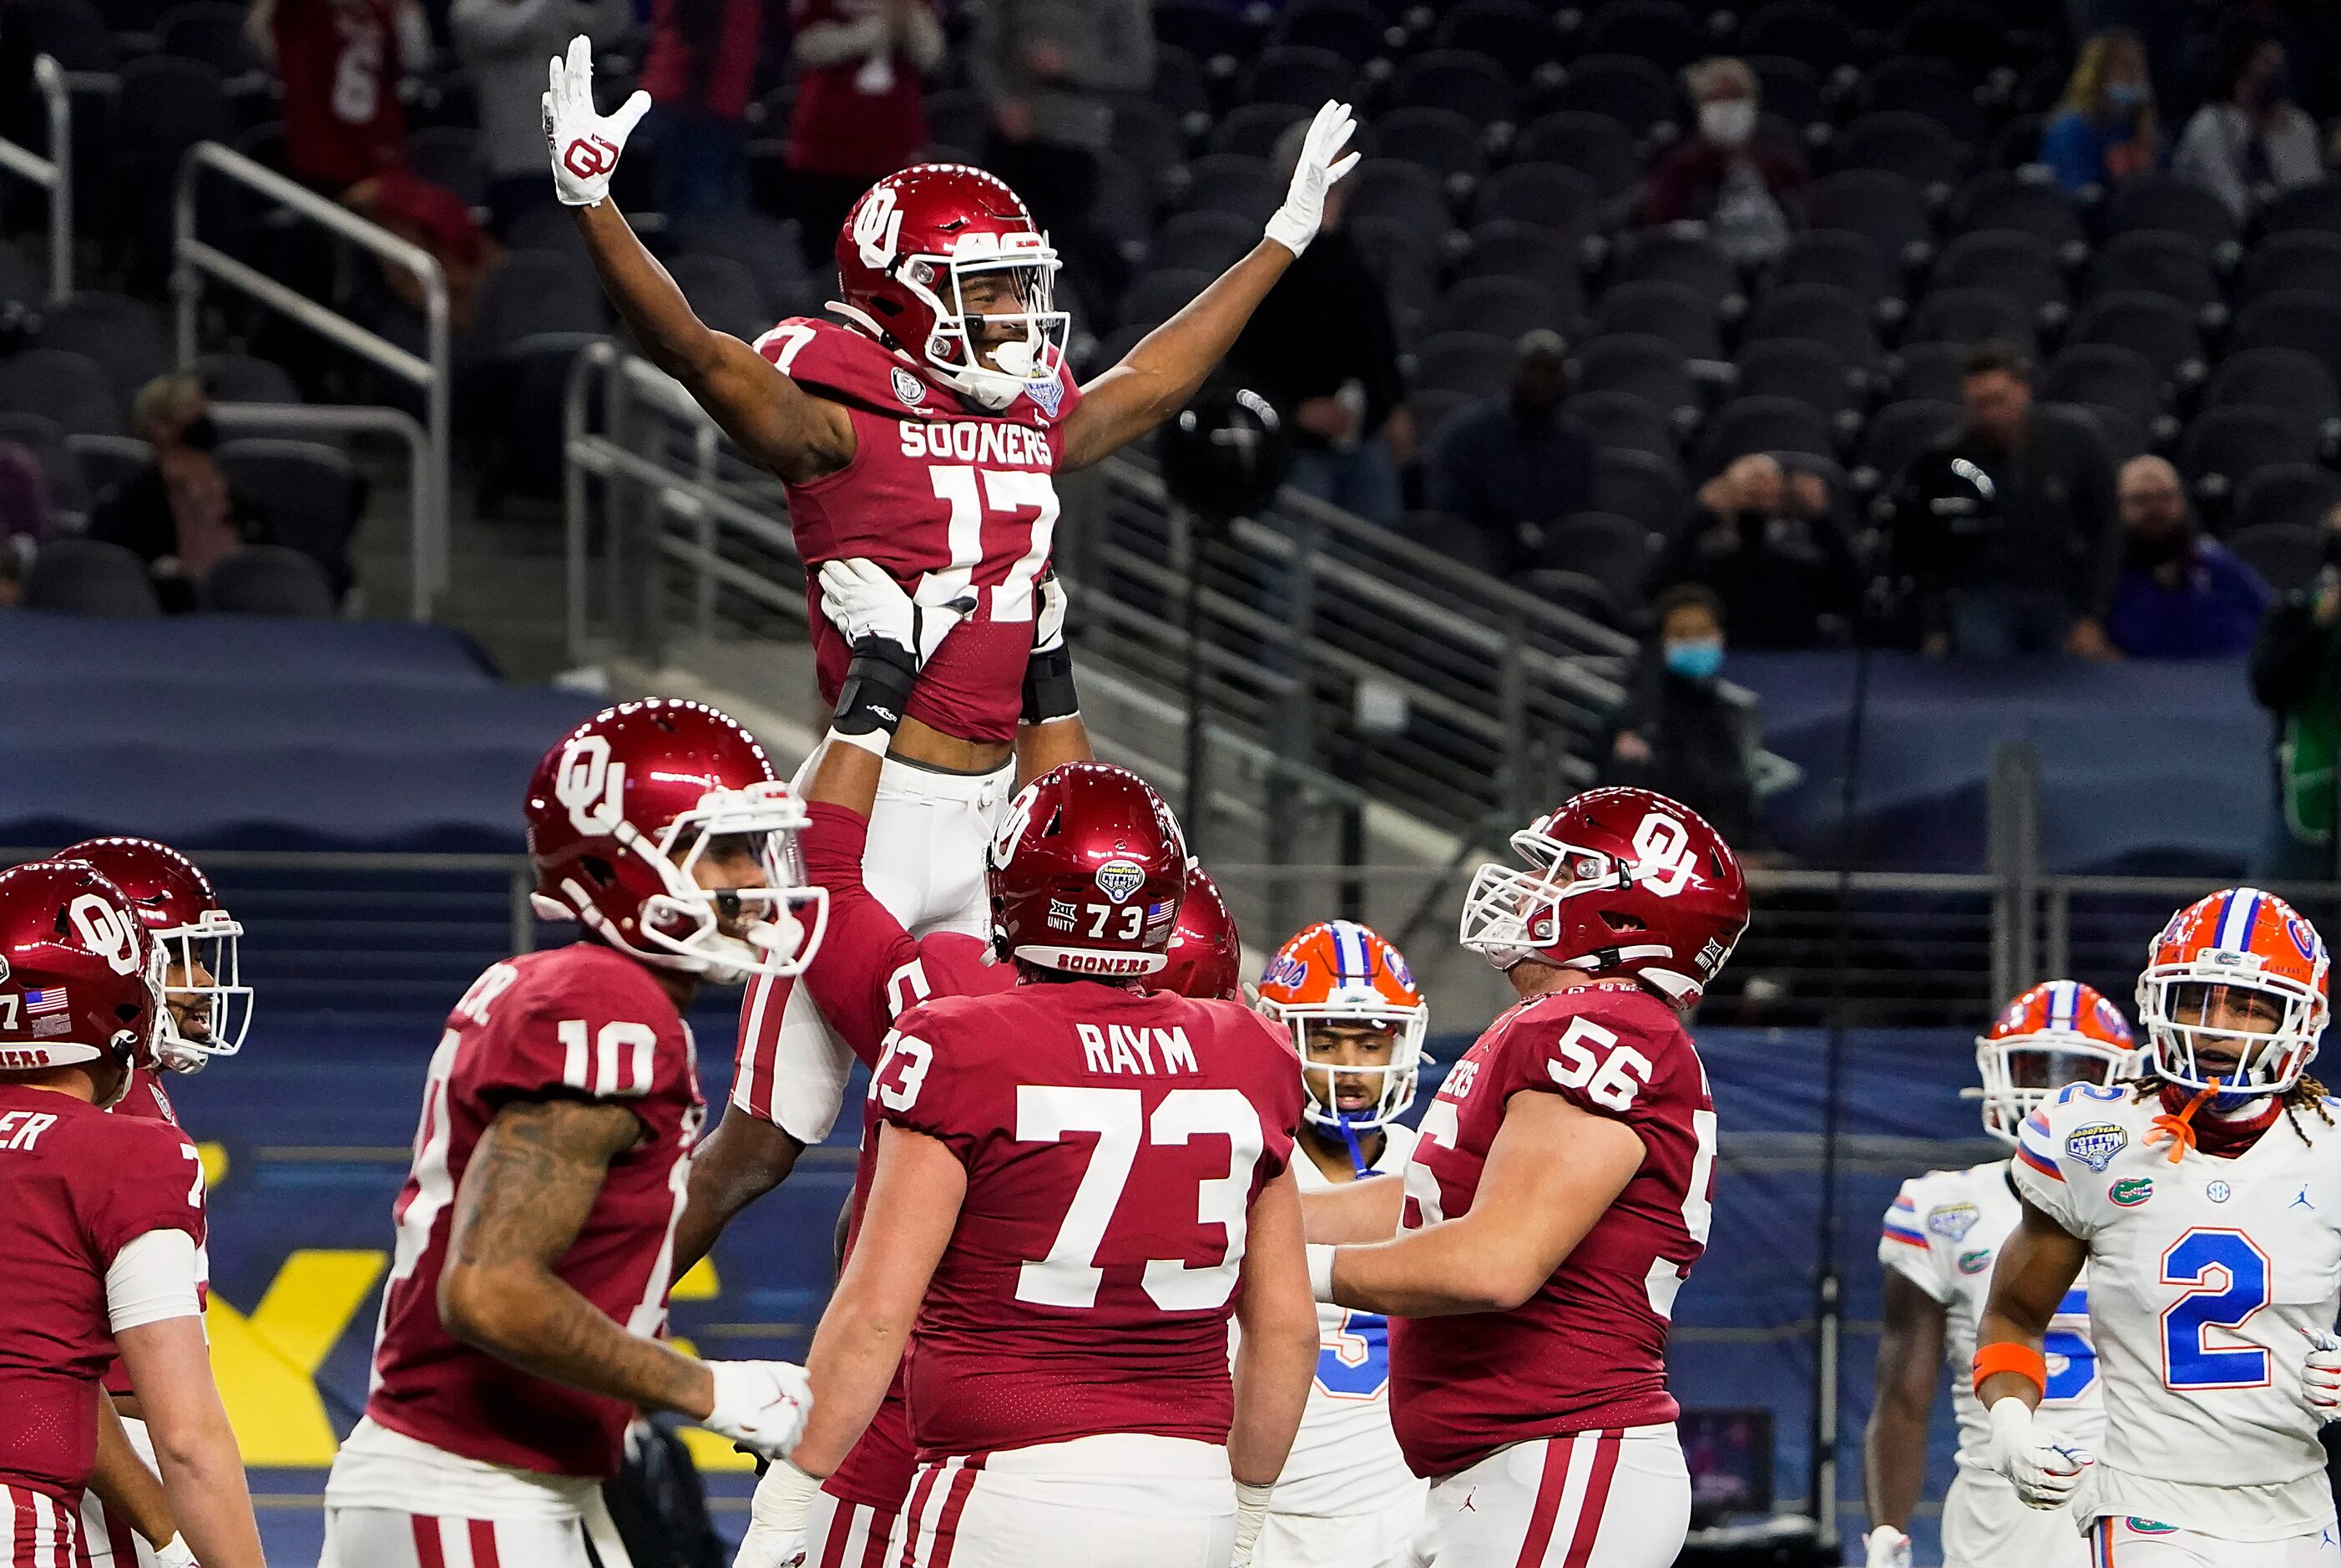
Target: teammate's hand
[760, 1404]
[863, 602]
[776, 1520]
[1296, 223]
[2320, 1380]
[1888, 1548]
[175, 1554]
[2045, 1474]
[1251, 1512]
[584, 145]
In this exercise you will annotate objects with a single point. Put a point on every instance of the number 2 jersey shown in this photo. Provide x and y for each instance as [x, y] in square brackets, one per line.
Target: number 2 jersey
[2209, 1282]
[938, 488]
[1588, 1351]
[1943, 1233]
[1114, 1141]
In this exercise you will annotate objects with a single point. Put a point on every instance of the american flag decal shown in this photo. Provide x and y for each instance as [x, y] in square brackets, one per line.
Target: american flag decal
[52, 1000]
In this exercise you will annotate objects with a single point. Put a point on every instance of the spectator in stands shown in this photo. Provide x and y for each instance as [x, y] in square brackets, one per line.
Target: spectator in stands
[1046, 67]
[2104, 130]
[1679, 732]
[178, 514]
[699, 72]
[1747, 190]
[2180, 596]
[2036, 573]
[2297, 675]
[26, 516]
[1514, 468]
[1321, 348]
[340, 62]
[504, 44]
[2250, 140]
[861, 65]
[435, 218]
[1768, 543]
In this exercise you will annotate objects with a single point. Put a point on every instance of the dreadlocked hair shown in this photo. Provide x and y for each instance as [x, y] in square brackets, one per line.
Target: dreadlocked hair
[2306, 1094]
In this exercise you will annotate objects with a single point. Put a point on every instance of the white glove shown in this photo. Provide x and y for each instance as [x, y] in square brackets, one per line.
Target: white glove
[2044, 1475]
[1296, 223]
[760, 1404]
[776, 1519]
[1888, 1548]
[2320, 1380]
[584, 145]
[861, 601]
[1251, 1512]
[1049, 634]
[175, 1554]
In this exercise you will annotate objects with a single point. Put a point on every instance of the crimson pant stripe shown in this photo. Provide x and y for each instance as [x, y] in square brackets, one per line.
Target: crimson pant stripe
[912, 1508]
[484, 1542]
[947, 1527]
[426, 1541]
[9, 1527]
[1557, 1451]
[1596, 1501]
[118, 1532]
[881, 1531]
[840, 1529]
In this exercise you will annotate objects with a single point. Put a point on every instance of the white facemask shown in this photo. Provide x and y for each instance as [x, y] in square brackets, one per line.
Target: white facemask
[1729, 121]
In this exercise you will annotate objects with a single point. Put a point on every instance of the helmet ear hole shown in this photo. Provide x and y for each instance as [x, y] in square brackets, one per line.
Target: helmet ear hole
[600, 870]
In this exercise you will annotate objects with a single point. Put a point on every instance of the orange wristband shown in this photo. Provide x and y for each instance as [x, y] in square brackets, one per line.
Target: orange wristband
[2020, 1359]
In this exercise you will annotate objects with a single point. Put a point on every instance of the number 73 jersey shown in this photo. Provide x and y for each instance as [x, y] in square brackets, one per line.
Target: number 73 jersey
[2209, 1280]
[1587, 1350]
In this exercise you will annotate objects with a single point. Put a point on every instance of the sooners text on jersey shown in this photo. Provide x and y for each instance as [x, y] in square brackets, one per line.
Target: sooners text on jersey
[934, 490]
[584, 1023]
[1114, 1141]
[1589, 1349]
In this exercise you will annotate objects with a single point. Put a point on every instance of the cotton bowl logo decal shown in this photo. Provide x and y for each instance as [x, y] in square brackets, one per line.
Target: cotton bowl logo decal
[2130, 1191]
[1951, 1222]
[1117, 879]
[2096, 1145]
[1047, 394]
[909, 389]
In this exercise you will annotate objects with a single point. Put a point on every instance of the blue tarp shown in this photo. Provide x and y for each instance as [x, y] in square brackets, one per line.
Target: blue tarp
[2160, 767]
[225, 733]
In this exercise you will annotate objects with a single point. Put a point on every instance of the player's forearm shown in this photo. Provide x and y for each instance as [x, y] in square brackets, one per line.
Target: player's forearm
[1462, 1265]
[1894, 1461]
[124, 1483]
[527, 1316]
[1042, 747]
[204, 1482]
[1273, 1366]
[852, 1360]
[744, 1158]
[647, 300]
[1363, 1211]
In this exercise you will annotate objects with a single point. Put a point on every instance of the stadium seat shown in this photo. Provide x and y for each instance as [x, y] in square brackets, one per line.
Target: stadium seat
[1693, 261]
[1517, 34]
[2015, 145]
[1406, 260]
[106, 463]
[122, 335]
[1440, 139]
[1820, 313]
[2317, 207]
[1234, 183]
[1156, 297]
[1595, 145]
[767, 246]
[1885, 207]
[1180, 87]
[1353, 29]
[1434, 408]
[1930, 372]
[1296, 74]
[310, 494]
[1615, 552]
[2298, 495]
[1918, 84]
[2159, 260]
[1898, 432]
[1842, 259]
[2162, 331]
[2121, 435]
[1791, 90]
[1507, 307]
[2223, 445]
[1149, 138]
[1207, 32]
[1624, 87]
[1461, 81]
[2292, 318]
[1477, 364]
[1205, 241]
[1625, 420]
[2111, 374]
[164, 107]
[1906, 143]
[1391, 188]
[2286, 555]
[449, 155]
[537, 292]
[723, 294]
[1972, 315]
[243, 378]
[73, 33]
[1666, 310]
[1650, 368]
[70, 388]
[1641, 485]
[1505, 248]
[2303, 259]
[1812, 374]
[2291, 382]
[1255, 128]
[550, 229]
[1451, 537]
[21, 283]
[267, 580]
[70, 489]
[2158, 200]
[1968, 37]
[91, 577]
[1748, 425]
[1812, 31]
[1666, 32]
[2016, 266]
[1544, 193]
[2020, 203]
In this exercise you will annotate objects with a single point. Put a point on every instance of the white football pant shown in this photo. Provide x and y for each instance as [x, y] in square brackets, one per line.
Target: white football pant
[840, 1534]
[1613, 1499]
[2120, 1542]
[1986, 1525]
[110, 1542]
[1384, 1539]
[1120, 1500]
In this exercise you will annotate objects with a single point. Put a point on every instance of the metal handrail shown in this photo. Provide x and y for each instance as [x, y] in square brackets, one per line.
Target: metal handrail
[53, 174]
[194, 259]
[333, 419]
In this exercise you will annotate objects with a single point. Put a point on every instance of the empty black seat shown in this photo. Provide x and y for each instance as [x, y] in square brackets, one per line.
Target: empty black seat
[1509, 308]
[2303, 259]
[2223, 445]
[2299, 494]
[1615, 552]
[1478, 364]
[1234, 182]
[2292, 318]
[1547, 256]
[2286, 555]
[1748, 425]
[1157, 296]
[1693, 261]
[765, 245]
[1641, 485]
[1812, 374]
[1817, 312]
[1791, 90]
[2018, 266]
[1391, 188]
[2162, 331]
[1515, 33]
[1461, 81]
[1626, 88]
[2121, 435]
[1915, 85]
[1650, 368]
[1440, 139]
[1209, 242]
[1818, 33]
[2316, 206]
[1255, 128]
[1546, 193]
[1204, 30]
[1901, 143]
[1898, 432]
[1666, 310]
[267, 580]
[1354, 29]
[537, 292]
[2022, 202]
[70, 388]
[1624, 419]
[1887, 207]
[1296, 74]
[1930, 372]
[91, 577]
[310, 494]
[2113, 375]
[69, 487]
[2155, 200]
[243, 378]
[1594, 145]
[2288, 381]
[122, 335]
[2163, 262]
[1666, 32]
[1841, 259]
[1972, 315]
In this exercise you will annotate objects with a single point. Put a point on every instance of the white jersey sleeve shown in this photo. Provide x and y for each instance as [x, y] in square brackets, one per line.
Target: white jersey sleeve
[1907, 1246]
[2062, 1151]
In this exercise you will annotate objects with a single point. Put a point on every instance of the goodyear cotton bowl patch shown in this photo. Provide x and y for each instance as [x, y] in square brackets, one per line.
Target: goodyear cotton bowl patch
[2095, 1145]
[1952, 1221]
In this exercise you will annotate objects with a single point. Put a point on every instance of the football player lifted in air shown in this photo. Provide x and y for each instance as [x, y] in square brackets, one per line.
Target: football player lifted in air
[206, 1010]
[520, 1324]
[1078, 1180]
[1560, 1191]
[919, 426]
[101, 1239]
[2204, 1201]
[1346, 1498]
[1941, 1235]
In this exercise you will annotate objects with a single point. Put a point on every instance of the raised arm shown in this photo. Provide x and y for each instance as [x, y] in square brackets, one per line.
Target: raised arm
[1909, 1369]
[203, 1473]
[796, 435]
[1162, 371]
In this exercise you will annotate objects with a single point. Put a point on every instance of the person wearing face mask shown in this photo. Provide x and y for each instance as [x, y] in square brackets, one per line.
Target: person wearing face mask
[1749, 190]
[1513, 468]
[1767, 542]
[2180, 596]
[2104, 130]
[1680, 732]
[2250, 141]
[2295, 671]
[178, 514]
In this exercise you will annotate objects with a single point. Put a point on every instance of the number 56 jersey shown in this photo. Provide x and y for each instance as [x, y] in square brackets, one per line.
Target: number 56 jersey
[1587, 1350]
[2209, 1281]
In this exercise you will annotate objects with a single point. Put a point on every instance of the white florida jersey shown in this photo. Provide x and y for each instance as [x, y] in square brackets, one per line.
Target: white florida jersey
[1943, 1235]
[2208, 1281]
[1344, 1460]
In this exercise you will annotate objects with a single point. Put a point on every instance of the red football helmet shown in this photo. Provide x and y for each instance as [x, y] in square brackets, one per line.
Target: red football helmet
[1087, 874]
[1619, 881]
[208, 1008]
[621, 812]
[81, 978]
[1205, 958]
[906, 252]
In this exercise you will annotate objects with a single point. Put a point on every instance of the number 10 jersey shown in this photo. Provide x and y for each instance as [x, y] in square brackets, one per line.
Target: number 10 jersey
[2209, 1281]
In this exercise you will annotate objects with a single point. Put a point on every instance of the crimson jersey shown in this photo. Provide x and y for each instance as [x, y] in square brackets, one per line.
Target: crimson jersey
[1114, 1141]
[580, 1022]
[934, 488]
[339, 61]
[76, 1187]
[145, 1099]
[1588, 1351]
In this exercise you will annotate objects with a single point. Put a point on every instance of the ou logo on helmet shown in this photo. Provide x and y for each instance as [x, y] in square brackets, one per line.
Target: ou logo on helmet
[1664, 859]
[591, 785]
[1012, 825]
[877, 227]
[104, 932]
